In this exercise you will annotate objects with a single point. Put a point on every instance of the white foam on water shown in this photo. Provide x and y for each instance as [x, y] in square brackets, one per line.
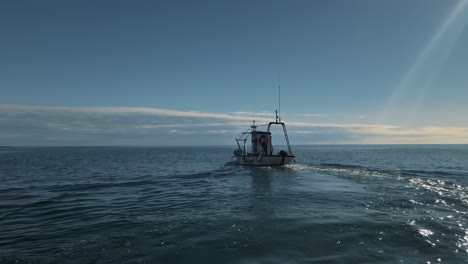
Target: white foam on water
[354, 172]
[425, 232]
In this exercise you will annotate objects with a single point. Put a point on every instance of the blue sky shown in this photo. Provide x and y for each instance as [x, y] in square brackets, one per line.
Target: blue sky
[197, 72]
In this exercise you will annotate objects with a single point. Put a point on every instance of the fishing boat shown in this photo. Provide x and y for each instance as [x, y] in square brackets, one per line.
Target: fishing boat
[261, 149]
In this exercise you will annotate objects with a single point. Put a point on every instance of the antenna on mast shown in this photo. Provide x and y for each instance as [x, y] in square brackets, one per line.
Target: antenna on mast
[279, 101]
[278, 112]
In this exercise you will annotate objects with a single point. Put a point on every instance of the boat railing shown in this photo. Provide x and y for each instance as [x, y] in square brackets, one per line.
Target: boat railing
[243, 149]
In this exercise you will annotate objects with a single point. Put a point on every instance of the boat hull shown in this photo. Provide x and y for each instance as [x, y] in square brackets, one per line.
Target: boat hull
[270, 160]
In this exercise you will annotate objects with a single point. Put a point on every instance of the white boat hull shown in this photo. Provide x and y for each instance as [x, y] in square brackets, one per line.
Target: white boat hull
[271, 160]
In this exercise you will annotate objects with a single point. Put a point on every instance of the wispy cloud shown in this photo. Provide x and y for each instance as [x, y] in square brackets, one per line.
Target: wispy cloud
[422, 135]
[302, 132]
[311, 115]
[262, 113]
[33, 125]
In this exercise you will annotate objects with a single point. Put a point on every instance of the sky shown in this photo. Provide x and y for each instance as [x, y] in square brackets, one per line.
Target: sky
[159, 73]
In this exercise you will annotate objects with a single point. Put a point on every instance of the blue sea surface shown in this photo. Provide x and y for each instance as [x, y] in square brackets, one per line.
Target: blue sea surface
[336, 204]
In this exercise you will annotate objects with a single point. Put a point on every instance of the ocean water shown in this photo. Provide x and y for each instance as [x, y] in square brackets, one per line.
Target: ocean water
[337, 204]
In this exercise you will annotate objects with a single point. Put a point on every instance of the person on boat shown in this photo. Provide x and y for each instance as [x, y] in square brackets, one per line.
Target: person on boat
[254, 139]
[264, 142]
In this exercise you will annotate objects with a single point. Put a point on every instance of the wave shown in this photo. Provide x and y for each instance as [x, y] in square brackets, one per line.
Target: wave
[445, 189]
[431, 173]
[223, 171]
[97, 185]
[345, 166]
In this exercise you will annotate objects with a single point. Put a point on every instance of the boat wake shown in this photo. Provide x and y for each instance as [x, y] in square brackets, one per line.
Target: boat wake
[343, 170]
[425, 197]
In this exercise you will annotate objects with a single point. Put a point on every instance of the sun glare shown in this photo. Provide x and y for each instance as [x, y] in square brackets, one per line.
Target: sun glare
[420, 76]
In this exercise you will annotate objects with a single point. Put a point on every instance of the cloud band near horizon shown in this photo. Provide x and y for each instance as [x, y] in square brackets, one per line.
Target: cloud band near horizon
[23, 125]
